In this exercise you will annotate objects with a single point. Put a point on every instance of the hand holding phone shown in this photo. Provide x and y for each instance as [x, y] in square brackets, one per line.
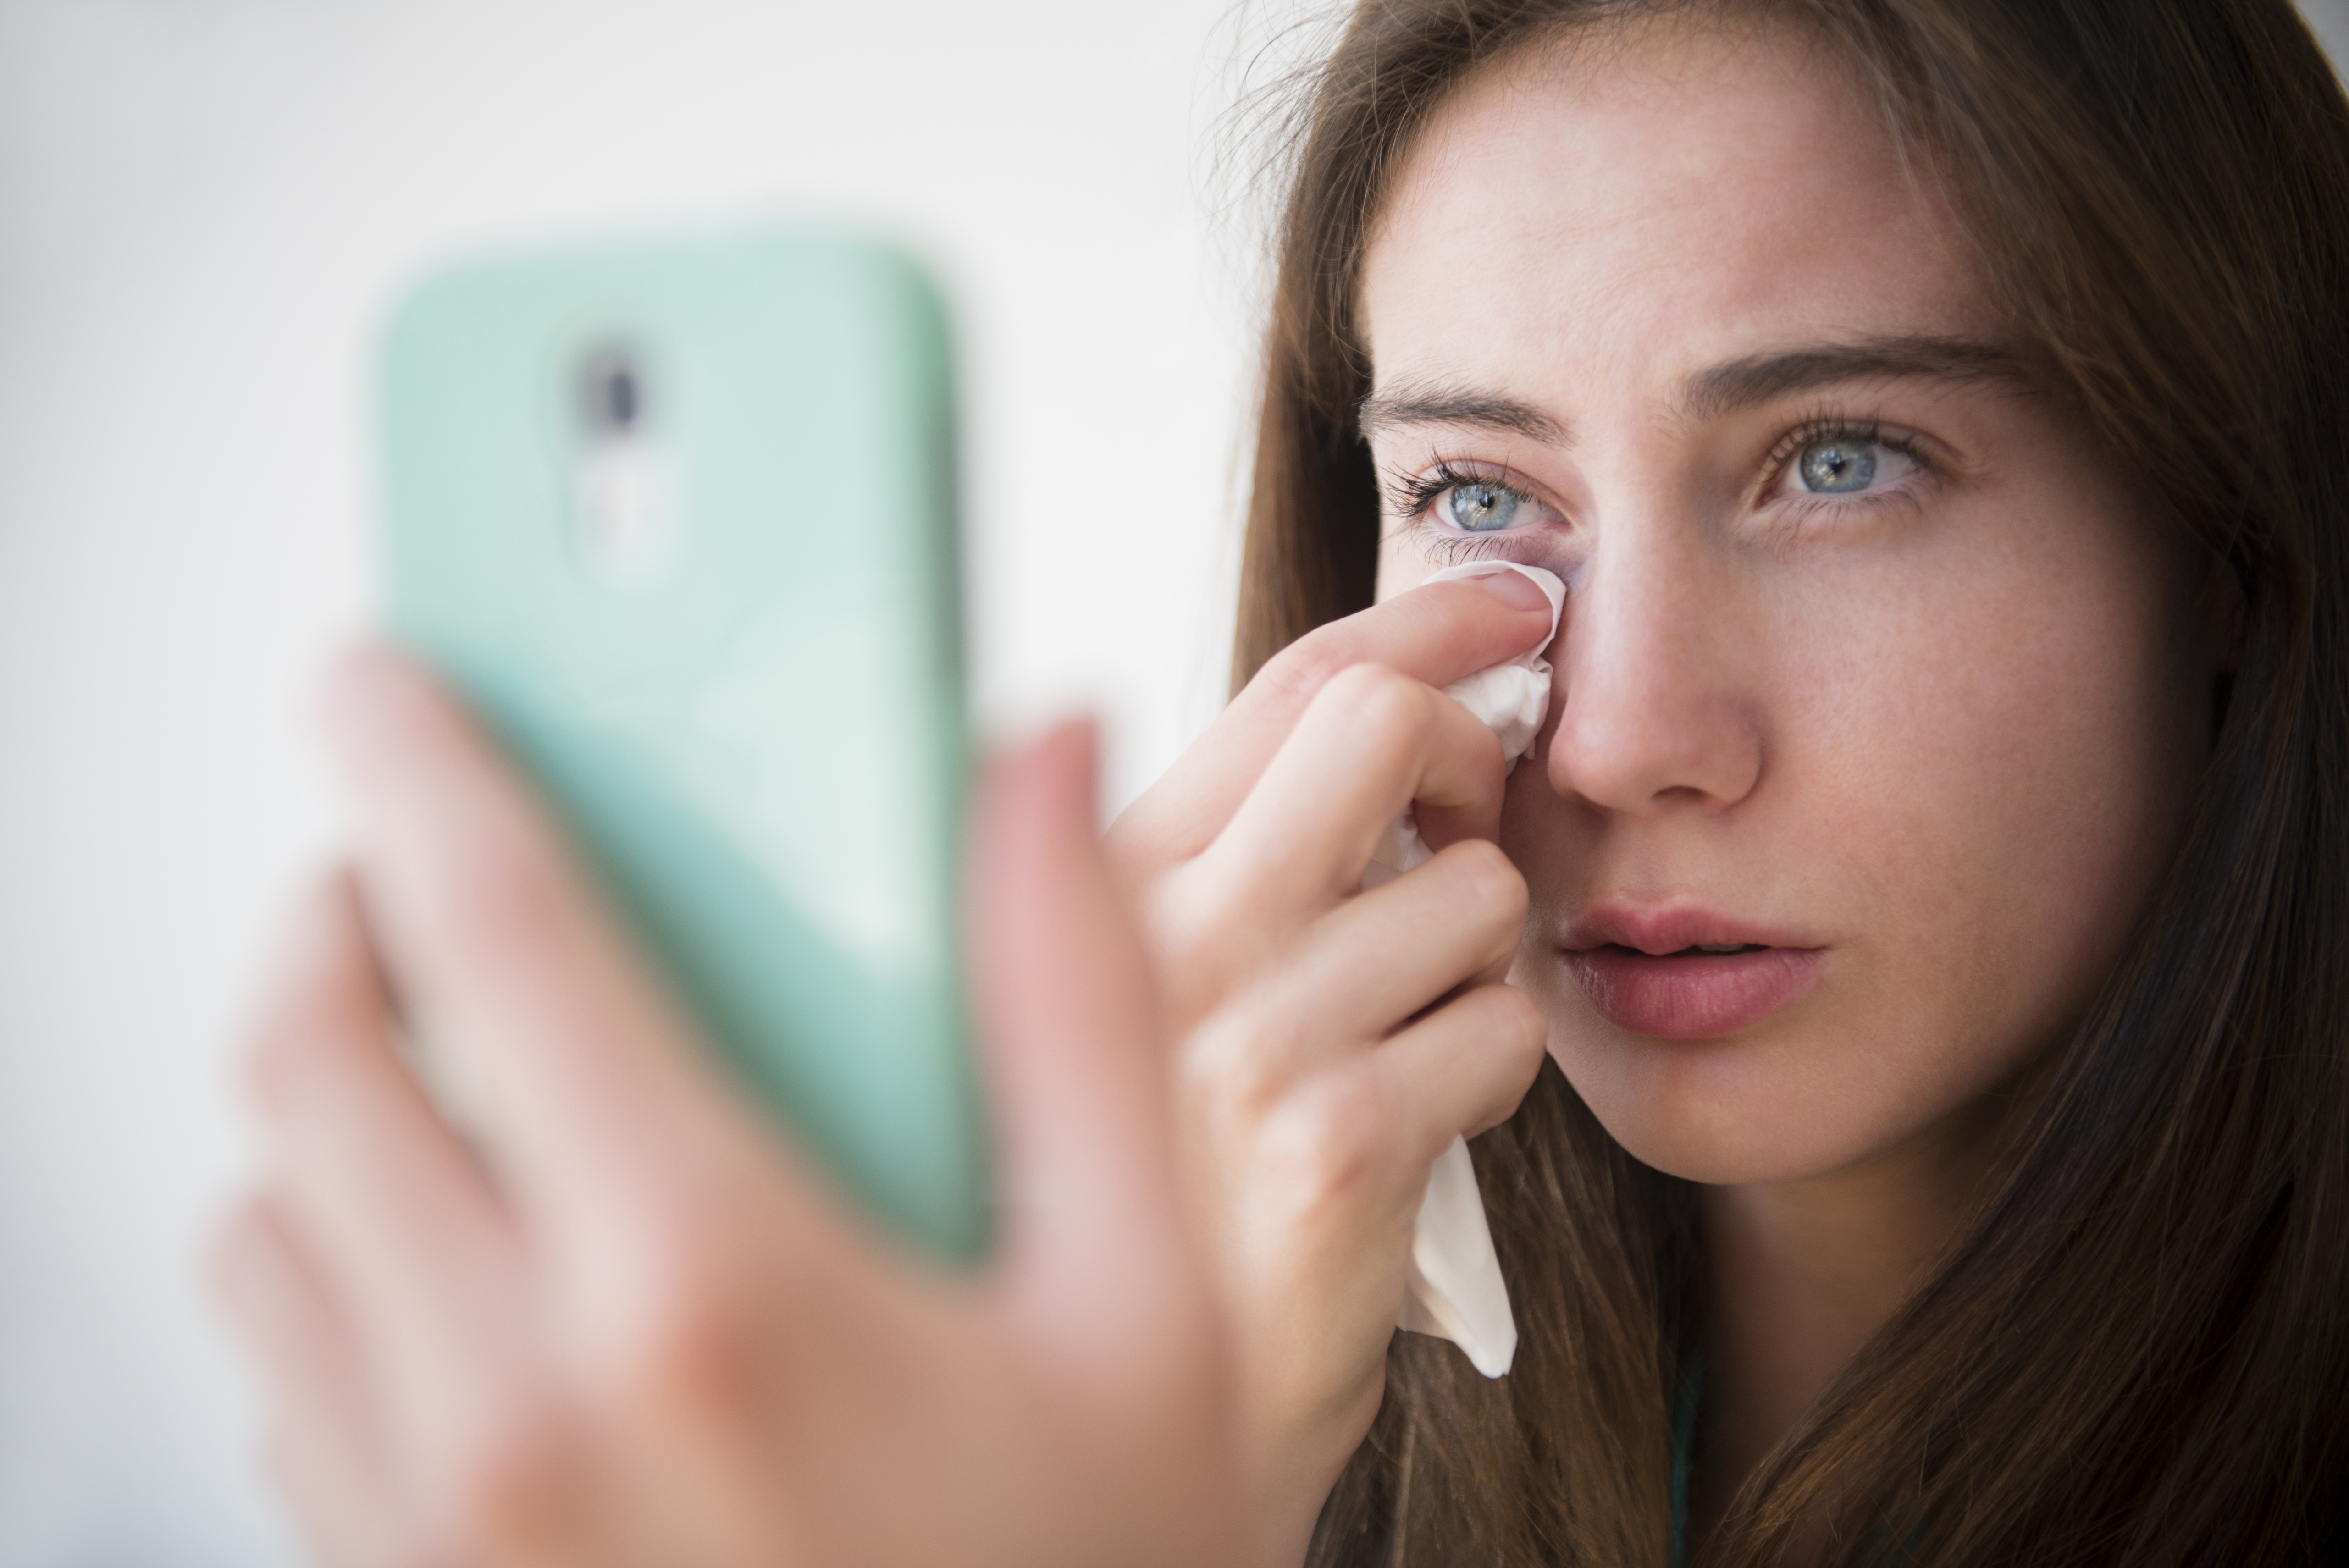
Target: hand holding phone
[652, 1338]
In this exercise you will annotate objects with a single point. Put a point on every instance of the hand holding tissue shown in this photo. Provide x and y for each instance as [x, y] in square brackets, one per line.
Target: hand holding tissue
[1454, 1289]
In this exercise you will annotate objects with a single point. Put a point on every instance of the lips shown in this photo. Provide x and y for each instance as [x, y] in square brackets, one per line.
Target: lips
[1648, 971]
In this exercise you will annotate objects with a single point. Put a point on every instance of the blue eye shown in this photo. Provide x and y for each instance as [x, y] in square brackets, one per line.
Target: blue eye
[1838, 467]
[1479, 507]
[1850, 462]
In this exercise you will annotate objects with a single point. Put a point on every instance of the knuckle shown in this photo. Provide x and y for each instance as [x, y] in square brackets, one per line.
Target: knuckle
[1323, 1150]
[1504, 1038]
[693, 1355]
[1302, 669]
[1517, 1025]
[1523, 1017]
[1389, 704]
[324, 998]
[500, 1486]
[291, 1050]
[1494, 886]
[508, 897]
[1212, 942]
[1233, 1068]
[1140, 846]
[1191, 924]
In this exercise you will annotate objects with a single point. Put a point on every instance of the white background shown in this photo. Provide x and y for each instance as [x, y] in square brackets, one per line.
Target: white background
[205, 206]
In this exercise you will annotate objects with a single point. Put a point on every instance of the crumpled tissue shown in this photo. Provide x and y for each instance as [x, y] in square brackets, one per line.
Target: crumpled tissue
[1454, 1290]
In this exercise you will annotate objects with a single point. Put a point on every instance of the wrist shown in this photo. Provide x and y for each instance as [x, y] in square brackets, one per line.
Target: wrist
[1292, 1475]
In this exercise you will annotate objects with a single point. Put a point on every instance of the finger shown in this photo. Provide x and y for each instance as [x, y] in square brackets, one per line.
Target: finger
[1435, 635]
[1463, 1067]
[383, 1200]
[1359, 979]
[1375, 961]
[326, 1445]
[1099, 1251]
[1372, 742]
[317, 1485]
[597, 1104]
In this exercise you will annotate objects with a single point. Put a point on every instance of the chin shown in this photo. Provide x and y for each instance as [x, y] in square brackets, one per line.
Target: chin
[1730, 1112]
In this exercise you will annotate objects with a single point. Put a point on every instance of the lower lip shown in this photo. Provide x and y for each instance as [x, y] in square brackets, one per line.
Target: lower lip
[1698, 997]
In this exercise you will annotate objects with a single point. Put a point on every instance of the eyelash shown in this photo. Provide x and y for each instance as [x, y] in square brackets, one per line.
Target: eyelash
[1413, 494]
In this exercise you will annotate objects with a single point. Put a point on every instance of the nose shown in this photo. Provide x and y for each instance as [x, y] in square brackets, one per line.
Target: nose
[1656, 696]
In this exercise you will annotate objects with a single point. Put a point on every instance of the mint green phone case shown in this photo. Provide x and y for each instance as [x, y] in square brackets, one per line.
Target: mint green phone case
[678, 521]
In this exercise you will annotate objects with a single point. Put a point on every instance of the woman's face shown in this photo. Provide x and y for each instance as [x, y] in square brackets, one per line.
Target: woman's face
[1873, 671]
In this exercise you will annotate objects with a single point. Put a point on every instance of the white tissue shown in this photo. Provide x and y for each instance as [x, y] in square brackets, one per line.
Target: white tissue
[1454, 1290]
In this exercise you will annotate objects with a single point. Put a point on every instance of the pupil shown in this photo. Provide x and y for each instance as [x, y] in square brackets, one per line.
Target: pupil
[1481, 509]
[1833, 467]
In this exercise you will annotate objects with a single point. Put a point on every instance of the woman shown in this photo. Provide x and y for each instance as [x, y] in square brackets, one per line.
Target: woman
[1928, 885]
[1933, 409]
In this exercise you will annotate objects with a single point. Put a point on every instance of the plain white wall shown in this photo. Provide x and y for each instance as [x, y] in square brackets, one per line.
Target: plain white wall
[204, 205]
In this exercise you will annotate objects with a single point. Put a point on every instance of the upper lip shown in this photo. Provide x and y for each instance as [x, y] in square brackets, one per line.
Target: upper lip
[1657, 931]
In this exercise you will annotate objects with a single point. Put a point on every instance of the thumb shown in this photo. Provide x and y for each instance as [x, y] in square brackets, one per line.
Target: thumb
[1097, 1244]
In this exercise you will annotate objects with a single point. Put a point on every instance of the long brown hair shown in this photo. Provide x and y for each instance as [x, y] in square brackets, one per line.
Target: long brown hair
[2136, 1352]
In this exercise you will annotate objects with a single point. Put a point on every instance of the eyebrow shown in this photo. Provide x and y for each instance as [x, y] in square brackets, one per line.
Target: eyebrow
[1742, 383]
[1716, 390]
[1435, 405]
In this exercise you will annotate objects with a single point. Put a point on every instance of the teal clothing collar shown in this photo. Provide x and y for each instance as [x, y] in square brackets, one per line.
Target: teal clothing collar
[1685, 1404]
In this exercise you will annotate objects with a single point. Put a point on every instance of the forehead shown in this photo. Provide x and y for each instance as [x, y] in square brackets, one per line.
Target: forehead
[1647, 200]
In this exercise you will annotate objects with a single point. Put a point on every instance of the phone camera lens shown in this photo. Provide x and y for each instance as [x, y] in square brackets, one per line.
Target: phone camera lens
[623, 512]
[614, 391]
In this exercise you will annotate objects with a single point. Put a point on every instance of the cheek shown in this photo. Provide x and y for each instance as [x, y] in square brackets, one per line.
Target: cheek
[1999, 797]
[1967, 808]
[1399, 569]
[1403, 565]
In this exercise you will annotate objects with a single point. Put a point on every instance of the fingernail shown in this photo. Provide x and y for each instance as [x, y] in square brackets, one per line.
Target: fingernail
[1514, 589]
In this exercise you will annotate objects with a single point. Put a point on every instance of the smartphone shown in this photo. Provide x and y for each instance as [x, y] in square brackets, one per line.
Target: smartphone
[678, 520]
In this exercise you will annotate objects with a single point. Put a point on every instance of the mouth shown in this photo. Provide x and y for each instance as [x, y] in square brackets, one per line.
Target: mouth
[1686, 975]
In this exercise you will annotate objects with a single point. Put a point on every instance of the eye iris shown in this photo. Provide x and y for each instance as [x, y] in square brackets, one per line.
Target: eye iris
[1481, 508]
[1836, 465]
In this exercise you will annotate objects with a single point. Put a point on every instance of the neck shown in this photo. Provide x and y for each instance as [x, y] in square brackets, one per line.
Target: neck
[1803, 1272]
